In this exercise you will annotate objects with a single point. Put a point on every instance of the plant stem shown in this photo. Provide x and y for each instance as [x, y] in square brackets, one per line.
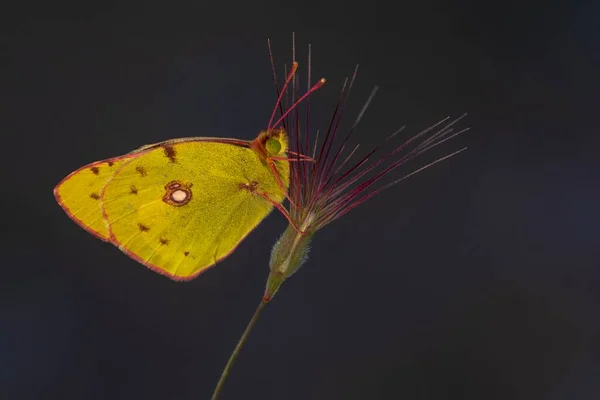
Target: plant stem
[237, 349]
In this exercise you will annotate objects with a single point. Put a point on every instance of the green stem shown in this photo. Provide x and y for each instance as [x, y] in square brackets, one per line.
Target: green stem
[237, 349]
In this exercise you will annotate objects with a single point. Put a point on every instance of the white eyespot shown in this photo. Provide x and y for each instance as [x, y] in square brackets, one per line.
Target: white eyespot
[179, 196]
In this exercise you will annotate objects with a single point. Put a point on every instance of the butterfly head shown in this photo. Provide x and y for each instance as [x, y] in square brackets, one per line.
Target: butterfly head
[271, 143]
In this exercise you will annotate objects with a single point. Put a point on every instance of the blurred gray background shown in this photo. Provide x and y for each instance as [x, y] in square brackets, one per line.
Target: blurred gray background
[477, 279]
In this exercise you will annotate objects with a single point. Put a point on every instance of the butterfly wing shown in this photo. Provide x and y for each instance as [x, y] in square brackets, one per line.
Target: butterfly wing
[79, 194]
[179, 207]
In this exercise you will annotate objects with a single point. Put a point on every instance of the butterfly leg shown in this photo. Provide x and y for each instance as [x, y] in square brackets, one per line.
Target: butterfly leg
[252, 189]
[280, 184]
[299, 157]
[283, 211]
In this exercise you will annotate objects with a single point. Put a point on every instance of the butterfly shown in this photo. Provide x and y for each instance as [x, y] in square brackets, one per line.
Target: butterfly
[182, 205]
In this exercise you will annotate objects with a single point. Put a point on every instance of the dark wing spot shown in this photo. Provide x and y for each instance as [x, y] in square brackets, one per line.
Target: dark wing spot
[186, 253]
[110, 163]
[163, 241]
[95, 196]
[141, 170]
[95, 170]
[133, 189]
[170, 153]
[251, 187]
[143, 228]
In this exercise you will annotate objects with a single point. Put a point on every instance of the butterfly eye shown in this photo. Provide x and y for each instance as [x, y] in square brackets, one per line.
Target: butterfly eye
[273, 146]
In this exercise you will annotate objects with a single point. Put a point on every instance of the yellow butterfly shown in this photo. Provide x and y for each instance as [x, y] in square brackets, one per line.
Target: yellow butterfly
[180, 206]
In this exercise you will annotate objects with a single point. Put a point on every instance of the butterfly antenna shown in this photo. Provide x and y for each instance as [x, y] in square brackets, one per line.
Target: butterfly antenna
[283, 89]
[312, 89]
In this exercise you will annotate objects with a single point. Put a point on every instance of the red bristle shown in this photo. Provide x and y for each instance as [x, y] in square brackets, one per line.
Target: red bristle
[331, 122]
[347, 197]
[343, 164]
[315, 87]
[306, 125]
[360, 162]
[349, 172]
[376, 192]
[345, 140]
[382, 159]
[343, 144]
[343, 100]
[345, 201]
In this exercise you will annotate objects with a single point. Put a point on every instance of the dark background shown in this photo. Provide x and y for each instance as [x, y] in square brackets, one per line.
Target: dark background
[477, 279]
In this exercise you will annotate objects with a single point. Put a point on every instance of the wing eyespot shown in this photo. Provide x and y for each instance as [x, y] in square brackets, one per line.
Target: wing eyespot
[177, 193]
